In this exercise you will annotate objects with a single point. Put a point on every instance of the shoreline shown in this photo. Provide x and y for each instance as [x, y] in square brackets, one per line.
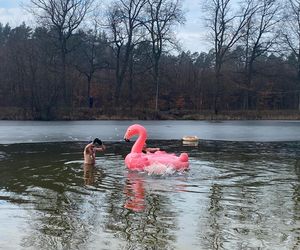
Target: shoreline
[124, 114]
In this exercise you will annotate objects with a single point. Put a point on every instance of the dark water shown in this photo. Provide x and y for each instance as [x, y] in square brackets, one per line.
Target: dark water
[237, 195]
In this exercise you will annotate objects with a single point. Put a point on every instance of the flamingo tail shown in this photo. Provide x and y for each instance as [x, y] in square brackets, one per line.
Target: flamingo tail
[184, 157]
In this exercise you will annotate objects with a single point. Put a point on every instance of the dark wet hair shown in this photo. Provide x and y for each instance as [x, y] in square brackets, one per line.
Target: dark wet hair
[98, 141]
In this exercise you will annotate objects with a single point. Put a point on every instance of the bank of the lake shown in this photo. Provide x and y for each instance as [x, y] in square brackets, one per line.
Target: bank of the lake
[13, 113]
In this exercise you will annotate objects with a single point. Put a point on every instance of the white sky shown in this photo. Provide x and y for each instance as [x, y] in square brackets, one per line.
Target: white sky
[191, 34]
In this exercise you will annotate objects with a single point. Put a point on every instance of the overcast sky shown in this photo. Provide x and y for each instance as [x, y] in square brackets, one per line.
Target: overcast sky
[190, 34]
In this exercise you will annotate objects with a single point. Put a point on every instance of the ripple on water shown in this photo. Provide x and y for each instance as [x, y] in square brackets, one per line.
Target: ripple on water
[235, 195]
[3, 155]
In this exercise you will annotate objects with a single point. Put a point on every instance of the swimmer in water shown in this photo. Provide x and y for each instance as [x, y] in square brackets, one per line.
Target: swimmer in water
[90, 150]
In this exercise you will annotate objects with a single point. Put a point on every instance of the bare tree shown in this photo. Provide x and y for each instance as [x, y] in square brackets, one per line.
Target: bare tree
[124, 23]
[260, 36]
[64, 17]
[226, 25]
[91, 55]
[161, 17]
[291, 35]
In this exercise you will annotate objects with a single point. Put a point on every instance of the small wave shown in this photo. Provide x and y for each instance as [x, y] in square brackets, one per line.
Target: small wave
[2, 155]
[72, 162]
[159, 169]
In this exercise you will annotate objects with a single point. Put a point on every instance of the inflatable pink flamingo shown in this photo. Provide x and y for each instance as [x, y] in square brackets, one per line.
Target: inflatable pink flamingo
[136, 160]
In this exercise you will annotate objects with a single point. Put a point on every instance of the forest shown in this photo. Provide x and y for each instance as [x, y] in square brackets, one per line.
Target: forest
[83, 61]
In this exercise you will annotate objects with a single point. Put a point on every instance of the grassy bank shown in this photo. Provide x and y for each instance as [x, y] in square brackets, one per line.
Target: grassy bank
[146, 114]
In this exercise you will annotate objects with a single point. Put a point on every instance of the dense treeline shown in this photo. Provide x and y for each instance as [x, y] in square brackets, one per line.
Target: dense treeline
[132, 64]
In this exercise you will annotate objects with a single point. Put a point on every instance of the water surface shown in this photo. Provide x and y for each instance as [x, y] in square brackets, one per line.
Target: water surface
[236, 195]
[35, 131]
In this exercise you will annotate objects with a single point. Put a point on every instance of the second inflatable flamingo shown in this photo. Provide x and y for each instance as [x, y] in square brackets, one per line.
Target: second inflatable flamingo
[136, 160]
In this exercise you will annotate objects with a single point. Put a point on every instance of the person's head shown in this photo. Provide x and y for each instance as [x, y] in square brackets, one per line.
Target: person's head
[97, 141]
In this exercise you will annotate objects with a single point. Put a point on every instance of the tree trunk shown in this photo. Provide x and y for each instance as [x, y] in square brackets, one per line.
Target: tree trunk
[89, 91]
[63, 75]
[217, 88]
[130, 82]
[156, 81]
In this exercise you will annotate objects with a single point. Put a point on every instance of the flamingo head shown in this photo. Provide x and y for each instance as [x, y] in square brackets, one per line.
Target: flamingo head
[135, 129]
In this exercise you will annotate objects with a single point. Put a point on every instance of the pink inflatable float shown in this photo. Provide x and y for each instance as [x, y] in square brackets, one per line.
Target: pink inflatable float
[136, 160]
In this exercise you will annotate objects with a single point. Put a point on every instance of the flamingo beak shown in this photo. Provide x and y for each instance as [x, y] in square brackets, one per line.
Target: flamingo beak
[127, 136]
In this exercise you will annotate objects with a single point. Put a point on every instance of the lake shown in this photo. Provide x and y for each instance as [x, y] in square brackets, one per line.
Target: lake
[242, 190]
[35, 131]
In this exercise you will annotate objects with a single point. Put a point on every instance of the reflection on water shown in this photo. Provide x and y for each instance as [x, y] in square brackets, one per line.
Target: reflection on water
[236, 195]
[92, 174]
[135, 192]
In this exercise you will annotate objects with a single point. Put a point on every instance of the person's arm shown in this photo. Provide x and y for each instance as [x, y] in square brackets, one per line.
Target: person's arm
[152, 150]
[100, 149]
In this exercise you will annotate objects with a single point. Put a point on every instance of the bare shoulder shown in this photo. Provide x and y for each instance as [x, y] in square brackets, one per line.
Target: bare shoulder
[87, 147]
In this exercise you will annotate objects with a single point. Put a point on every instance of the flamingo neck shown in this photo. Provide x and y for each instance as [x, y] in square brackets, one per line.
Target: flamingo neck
[139, 143]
